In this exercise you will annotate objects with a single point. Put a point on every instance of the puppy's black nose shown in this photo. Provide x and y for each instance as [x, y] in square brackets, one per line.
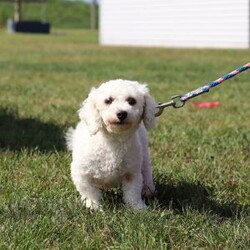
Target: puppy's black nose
[122, 115]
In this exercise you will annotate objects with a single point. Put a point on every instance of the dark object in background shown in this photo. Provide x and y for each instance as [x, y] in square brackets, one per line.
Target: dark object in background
[32, 27]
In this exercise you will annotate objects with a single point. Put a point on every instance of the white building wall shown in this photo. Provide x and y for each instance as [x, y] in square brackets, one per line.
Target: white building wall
[176, 23]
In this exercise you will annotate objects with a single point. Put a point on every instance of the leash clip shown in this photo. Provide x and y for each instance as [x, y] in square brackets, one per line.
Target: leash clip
[175, 104]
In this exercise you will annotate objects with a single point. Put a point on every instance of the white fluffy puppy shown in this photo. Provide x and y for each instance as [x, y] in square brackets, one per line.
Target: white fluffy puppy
[109, 145]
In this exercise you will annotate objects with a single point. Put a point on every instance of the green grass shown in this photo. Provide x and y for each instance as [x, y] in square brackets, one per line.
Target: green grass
[200, 158]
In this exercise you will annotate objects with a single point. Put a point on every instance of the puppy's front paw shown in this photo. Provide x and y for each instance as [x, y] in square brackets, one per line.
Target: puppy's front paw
[93, 205]
[139, 206]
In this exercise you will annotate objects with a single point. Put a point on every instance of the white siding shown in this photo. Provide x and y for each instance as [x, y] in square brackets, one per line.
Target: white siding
[176, 23]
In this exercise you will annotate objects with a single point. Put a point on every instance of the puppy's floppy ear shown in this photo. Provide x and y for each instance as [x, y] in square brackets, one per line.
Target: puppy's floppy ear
[149, 109]
[89, 114]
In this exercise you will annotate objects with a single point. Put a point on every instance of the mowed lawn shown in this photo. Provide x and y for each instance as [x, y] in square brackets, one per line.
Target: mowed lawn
[200, 157]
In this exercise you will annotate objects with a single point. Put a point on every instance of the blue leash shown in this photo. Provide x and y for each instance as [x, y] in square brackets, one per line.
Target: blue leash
[179, 101]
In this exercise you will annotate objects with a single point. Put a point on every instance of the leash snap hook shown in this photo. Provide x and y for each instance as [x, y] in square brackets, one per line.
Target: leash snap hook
[172, 103]
[177, 103]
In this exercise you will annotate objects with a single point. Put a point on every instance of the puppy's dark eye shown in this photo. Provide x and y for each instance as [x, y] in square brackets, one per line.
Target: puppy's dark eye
[131, 101]
[109, 100]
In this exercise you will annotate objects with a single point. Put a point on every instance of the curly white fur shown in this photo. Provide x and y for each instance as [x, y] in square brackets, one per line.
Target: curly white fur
[109, 145]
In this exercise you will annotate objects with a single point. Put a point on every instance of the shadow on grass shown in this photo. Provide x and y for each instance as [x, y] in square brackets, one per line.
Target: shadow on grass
[18, 133]
[184, 195]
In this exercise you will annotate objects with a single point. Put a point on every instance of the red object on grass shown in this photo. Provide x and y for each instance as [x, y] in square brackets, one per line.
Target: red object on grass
[206, 105]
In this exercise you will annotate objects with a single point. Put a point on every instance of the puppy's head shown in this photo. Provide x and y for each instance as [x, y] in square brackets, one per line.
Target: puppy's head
[118, 106]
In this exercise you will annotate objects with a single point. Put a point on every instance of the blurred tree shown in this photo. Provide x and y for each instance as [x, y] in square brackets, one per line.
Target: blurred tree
[18, 10]
[93, 15]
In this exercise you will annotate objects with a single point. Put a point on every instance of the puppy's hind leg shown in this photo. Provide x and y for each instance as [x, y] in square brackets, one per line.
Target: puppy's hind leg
[148, 189]
[148, 183]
